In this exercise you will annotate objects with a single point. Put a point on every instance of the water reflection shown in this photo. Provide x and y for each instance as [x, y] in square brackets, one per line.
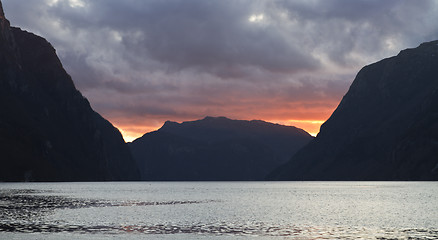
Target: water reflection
[284, 231]
[24, 211]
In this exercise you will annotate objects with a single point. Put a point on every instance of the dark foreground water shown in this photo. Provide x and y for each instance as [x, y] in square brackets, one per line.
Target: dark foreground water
[219, 210]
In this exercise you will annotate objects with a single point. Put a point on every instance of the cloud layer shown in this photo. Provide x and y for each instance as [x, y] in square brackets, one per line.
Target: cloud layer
[143, 62]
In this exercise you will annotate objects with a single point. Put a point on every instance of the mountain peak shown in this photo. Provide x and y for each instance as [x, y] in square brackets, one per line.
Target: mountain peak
[424, 49]
[169, 123]
[37, 100]
[216, 148]
[4, 23]
[10, 56]
[2, 14]
[431, 43]
[383, 129]
[210, 118]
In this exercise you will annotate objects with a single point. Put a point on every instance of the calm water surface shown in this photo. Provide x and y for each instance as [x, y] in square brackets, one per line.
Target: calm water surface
[219, 210]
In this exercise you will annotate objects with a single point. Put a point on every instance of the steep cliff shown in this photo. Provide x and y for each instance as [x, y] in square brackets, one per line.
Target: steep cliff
[48, 131]
[385, 128]
[216, 149]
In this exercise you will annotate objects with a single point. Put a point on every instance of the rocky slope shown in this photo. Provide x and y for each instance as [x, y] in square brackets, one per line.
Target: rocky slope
[385, 128]
[216, 149]
[48, 131]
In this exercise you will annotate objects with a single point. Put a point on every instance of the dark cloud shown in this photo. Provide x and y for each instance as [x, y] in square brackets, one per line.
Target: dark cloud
[182, 59]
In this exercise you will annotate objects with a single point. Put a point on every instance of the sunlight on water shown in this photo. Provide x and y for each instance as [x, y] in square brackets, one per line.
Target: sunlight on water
[219, 210]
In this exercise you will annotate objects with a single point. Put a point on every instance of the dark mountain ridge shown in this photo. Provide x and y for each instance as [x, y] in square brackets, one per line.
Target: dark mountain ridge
[216, 148]
[385, 128]
[48, 131]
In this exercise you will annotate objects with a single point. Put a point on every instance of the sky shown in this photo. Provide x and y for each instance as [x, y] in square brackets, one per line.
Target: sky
[142, 62]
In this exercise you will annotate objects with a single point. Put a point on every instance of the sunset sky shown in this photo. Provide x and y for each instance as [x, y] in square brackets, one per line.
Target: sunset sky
[142, 62]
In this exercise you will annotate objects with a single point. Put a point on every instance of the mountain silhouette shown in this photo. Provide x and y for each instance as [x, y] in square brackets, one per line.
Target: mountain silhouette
[385, 128]
[48, 131]
[216, 148]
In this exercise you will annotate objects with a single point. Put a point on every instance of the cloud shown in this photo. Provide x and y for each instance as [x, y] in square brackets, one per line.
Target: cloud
[184, 59]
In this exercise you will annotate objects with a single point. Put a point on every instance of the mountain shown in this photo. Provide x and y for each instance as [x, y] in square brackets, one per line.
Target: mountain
[216, 148]
[385, 128]
[48, 131]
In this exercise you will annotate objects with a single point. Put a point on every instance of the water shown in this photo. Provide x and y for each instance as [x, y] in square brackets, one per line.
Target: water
[219, 210]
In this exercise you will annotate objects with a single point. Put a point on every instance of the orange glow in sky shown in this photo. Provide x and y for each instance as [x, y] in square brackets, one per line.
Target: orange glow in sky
[308, 117]
[310, 126]
[132, 132]
[265, 60]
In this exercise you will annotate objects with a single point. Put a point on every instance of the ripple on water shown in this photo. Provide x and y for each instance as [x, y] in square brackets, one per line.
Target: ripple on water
[23, 211]
[258, 230]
